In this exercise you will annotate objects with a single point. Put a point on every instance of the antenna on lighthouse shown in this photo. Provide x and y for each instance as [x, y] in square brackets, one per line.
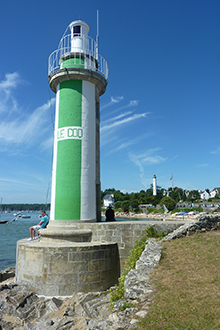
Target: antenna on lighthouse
[97, 36]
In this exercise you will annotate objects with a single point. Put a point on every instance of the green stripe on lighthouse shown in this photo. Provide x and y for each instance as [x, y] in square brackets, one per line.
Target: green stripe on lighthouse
[68, 170]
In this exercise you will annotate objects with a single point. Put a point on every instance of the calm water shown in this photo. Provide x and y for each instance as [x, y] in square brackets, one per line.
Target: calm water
[10, 233]
[13, 231]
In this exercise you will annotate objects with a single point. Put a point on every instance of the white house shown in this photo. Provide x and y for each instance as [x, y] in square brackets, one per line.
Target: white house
[108, 200]
[214, 192]
[204, 194]
[186, 192]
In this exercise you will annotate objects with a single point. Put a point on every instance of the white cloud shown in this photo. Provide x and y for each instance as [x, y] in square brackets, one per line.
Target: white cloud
[15, 181]
[154, 160]
[116, 118]
[47, 144]
[146, 158]
[25, 130]
[129, 143]
[202, 165]
[215, 152]
[133, 103]
[107, 139]
[11, 81]
[7, 100]
[121, 122]
[135, 159]
[149, 158]
[114, 100]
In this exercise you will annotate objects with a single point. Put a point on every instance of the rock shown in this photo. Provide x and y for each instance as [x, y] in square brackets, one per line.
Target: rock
[141, 314]
[202, 224]
[7, 273]
[134, 322]
[137, 281]
[99, 325]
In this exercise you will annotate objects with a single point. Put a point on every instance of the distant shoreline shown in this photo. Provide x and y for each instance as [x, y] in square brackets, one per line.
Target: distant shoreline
[156, 216]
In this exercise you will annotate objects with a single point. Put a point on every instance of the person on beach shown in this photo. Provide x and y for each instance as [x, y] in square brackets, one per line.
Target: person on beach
[42, 224]
[110, 214]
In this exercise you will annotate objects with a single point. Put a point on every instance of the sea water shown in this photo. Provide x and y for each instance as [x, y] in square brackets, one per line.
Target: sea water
[11, 232]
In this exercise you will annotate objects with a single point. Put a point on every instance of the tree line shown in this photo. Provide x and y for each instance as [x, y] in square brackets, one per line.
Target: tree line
[170, 198]
[25, 207]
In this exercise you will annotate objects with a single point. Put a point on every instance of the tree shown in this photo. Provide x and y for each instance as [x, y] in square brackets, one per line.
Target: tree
[181, 193]
[134, 204]
[174, 195]
[193, 195]
[117, 205]
[168, 202]
[126, 197]
[125, 206]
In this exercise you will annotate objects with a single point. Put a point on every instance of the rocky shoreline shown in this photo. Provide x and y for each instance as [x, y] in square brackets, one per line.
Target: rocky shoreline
[21, 308]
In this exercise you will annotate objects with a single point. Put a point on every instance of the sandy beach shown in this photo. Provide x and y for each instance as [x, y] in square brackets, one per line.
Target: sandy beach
[157, 216]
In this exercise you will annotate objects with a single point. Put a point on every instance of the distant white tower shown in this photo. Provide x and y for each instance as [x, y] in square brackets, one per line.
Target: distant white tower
[154, 185]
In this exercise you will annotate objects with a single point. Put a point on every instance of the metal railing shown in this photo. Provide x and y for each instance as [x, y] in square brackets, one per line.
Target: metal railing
[85, 56]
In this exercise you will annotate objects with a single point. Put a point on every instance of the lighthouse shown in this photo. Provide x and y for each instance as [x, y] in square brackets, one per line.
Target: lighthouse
[154, 185]
[66, 259]
[78, 75]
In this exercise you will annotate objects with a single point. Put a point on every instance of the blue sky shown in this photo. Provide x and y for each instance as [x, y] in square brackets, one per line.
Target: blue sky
[160, 113]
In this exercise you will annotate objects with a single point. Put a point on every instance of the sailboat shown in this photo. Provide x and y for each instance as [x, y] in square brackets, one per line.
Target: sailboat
[2, 221]
[165, 209]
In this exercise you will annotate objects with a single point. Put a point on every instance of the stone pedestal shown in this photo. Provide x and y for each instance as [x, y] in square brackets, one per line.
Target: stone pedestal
[65, 261]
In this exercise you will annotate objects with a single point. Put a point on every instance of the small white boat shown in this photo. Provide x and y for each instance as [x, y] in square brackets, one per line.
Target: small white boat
[25, 216]
[17, 214]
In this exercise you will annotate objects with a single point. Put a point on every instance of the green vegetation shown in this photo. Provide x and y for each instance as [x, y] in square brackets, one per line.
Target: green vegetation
[125, 305]
[187, 285]
[193, 195]
[142, 197]
[175, 197]
[25, 207]
[168, 202]
[118, 292]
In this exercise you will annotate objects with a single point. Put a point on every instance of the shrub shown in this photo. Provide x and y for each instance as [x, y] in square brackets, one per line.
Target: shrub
[168, 202]
[118, 292]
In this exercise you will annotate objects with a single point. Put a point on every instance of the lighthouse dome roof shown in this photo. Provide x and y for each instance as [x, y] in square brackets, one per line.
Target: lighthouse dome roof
[77, 23]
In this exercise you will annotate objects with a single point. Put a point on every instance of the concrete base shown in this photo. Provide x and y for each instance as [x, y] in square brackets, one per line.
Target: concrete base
[60, 267]
[80, 256]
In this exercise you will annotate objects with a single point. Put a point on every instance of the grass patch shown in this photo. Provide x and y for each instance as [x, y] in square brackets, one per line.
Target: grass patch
[187, 283]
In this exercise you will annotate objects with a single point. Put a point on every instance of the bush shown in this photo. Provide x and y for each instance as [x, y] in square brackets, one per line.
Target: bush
[168, 202]
[135, 253]
[125, 205]
[117, 205]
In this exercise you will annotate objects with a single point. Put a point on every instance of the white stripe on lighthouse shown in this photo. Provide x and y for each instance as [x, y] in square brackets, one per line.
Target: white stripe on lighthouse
[54, 169]
[88, 162]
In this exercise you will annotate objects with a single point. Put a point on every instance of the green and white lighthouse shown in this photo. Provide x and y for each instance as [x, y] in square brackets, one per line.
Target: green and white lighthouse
[78, 75]
[66, 259]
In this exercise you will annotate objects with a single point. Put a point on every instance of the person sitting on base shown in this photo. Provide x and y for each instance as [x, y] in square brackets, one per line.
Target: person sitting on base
[110, 214]
[42, 224]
